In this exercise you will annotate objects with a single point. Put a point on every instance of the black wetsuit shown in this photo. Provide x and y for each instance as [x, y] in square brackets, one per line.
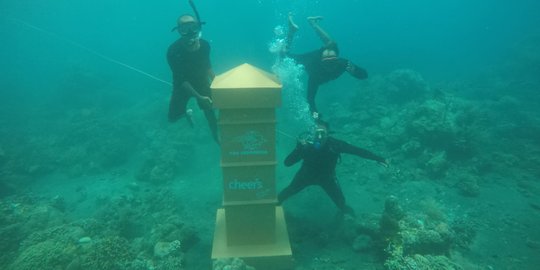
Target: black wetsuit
[319, 168]
[192, 67]
[320, 72]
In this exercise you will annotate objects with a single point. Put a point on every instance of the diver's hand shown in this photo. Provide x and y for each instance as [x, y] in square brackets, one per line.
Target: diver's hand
[384, 163]
[350, 67]
[315, 115]
[303, 140]
[206, 100]
[314, 19]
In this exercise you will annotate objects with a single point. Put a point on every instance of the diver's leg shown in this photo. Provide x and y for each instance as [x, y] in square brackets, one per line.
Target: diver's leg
[299, 182]
[212, 123]
[177, 105]
[332, 188]
[311, 93]
[209, 112]
[323, 35]
[293, 27]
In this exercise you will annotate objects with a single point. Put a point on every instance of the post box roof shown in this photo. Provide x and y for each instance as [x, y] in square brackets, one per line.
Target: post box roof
[245, 76]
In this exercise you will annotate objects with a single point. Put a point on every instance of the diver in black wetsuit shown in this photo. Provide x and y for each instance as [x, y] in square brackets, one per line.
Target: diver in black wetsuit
[322, 65]
[320, 155]
[189, 60]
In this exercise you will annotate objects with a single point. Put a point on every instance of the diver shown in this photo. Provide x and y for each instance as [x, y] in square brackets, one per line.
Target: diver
[189, 60]
[320, 154]
[322, 65]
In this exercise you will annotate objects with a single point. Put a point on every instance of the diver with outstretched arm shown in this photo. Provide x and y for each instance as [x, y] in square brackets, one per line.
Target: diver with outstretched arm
[322, 65]
[320, 154]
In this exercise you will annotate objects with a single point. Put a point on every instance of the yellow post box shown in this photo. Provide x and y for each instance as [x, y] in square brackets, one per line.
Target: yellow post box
[249, 225]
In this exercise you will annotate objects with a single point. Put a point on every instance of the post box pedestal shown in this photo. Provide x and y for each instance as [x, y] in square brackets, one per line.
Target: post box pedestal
[273, 255]
[249, 225]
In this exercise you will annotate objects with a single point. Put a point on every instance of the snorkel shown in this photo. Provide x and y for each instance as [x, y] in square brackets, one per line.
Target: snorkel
[196, 34]
[189, 27]
[194, 8]
[317, 145]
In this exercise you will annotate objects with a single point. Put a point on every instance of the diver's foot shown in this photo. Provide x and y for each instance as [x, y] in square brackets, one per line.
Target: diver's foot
[189, 117]
[348, 213]
[293, 27]
[314, 19]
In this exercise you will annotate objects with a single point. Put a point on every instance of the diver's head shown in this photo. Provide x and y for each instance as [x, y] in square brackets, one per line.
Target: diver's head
[330, 58]
[190, 30]
[330, 52]
[320, 135]
[187, 25]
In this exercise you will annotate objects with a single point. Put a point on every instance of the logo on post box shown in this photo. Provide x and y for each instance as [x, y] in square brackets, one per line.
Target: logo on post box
[252, 144]
[246, 185]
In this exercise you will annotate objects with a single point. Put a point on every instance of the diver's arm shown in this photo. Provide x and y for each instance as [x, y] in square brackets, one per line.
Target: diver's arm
[189, 88]
[347, 148]
[180, 82]
[356, 71]
[295, 156]
[211, 74]
[323, 35]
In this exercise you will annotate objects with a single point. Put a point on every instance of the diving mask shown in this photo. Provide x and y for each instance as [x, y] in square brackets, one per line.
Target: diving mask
[317, 138]
[320, 134]
[189, 29]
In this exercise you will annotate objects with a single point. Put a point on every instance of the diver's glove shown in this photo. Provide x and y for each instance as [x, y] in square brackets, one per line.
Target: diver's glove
[383, 163]
[301, 144]
[206, 101]
[189, 117]
[356, 71]
[304, 140]
[350, 67]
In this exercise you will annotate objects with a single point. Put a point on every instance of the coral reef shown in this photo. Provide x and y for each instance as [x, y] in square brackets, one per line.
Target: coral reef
[398, 87]
[424, 240]
[405, 85]
[42, 239]
[3, 156]
[475, 137]
[165, 158]
[428, 128]
[389, 226]
[398, 261]
[36, 234]
[411, 239]
[108, 253]
[231, 264]
[164, 249]
[21, 221]
[89, 143]
[468, 185]
[49, 254]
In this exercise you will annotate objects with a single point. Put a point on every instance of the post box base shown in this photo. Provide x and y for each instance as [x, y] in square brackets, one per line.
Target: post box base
[274, 256]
